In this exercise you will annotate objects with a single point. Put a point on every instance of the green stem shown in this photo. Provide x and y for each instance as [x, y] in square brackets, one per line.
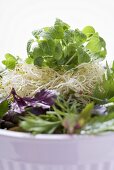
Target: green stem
[91, 97]
[71, 59]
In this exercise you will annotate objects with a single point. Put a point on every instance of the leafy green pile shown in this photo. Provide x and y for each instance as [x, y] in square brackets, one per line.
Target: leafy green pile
[60, 47]
[72, 117]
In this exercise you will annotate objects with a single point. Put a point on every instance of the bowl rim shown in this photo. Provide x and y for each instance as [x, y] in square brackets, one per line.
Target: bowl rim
[26, 136]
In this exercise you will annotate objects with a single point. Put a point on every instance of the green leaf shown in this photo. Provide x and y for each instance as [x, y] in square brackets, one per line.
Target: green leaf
[56, 32]
[111, 99]
[88, 31]
[103, 51]
[3, 107]
[99, 127]
[85, 114]
[62, 24]
[68, 36]
[38, 61]
[37, 52]
[37, 125]
[36, 33]
[94, 44]
[45, 34]
[80, 38]
[97, 46]
[47, 46]
[29, 60]
[10, 61]
[104, 90]
[58, 51]
[29, 44]
[87, 110]
[71, 49]
[83, 56]
[112, 68]
[109, 73]
[103, 118]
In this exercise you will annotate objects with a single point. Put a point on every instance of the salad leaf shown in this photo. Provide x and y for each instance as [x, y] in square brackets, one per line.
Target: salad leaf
[3, 107]
[64, 25]
[47, 46]
[10, 61]
[97, 46]
[37, 125]
[43, 99]
[46, 97]
[56, 32]
[88, 31]
[83, 56]
[79, 37]
[29, 60]
[99, 127]
[29, 44]
[38, 61]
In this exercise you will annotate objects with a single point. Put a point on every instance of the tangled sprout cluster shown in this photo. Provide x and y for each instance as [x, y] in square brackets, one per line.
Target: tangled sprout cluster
[28, 79]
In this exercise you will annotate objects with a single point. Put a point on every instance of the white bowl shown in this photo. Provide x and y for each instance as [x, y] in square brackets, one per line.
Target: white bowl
[21, 151]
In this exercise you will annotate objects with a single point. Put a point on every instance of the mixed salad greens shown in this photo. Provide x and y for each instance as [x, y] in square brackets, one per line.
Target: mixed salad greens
[61, 87]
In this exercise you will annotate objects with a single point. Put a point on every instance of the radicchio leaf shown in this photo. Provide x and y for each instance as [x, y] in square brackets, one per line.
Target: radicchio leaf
[39, 103]
[46, 97]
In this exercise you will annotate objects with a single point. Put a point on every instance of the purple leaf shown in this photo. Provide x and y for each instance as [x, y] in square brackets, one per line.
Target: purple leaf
[37, 110]
[99, 110]
[19, 104]
[42, 101]
[46, 97]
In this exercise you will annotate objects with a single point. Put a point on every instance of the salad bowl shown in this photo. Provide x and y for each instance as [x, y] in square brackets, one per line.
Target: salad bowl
[21, 151]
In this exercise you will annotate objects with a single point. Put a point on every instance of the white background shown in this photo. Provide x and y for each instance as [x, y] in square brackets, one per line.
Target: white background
[19, 17]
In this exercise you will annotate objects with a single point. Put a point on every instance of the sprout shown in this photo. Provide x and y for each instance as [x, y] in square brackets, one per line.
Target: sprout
[27, 79]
